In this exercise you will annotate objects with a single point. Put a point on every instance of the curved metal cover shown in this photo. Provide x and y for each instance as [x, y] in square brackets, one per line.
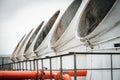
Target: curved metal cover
[46, 29]
[22, 47]
[16, 48]
[93, 14]
[65, 20]
[33, 36]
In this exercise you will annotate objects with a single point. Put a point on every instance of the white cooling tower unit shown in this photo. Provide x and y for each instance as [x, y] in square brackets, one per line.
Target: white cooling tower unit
[14, 54]
[30, 44]
[63, 37]
[40, 44]
[20, 52]
[98, 26]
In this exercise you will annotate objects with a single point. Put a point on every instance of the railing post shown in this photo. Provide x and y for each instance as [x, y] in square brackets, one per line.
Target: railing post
[111, 67]
[42, 69]
[37, 77]
[75, 66]
[61, 67]
[26, 65]
[9, 66]
[50, 68]
[34, 64]
[19, 65]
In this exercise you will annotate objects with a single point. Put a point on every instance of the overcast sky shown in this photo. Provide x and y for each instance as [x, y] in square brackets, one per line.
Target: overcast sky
[18, 17]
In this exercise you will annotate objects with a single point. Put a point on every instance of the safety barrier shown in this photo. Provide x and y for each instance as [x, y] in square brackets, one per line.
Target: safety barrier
[36, 69]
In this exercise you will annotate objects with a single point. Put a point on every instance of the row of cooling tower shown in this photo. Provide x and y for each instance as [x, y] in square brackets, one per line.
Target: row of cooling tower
[85, 26]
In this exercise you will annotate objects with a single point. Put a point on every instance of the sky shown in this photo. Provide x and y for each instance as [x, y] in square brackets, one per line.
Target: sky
[18, 17]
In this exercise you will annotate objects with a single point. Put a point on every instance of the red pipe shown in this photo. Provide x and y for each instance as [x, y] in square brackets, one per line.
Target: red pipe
[17, 74]
[78, 72]
[46, 74]
[66, 77]
[56, 76]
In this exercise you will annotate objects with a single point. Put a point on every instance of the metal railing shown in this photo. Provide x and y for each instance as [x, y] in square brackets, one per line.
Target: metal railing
[40, 64]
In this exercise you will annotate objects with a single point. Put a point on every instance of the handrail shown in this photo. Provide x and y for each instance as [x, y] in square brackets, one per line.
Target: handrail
[55, 73]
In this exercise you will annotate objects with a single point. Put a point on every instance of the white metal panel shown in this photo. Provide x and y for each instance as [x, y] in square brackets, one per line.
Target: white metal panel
[29, 47]
[13, 57]
[64, 35]
[20, 52]
[42, 39]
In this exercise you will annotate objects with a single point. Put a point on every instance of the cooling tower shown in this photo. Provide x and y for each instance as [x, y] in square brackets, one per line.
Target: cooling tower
[20, 52]
[98, 29]
[63, 37]
[41, 45]
[30, 44]
[14, 54]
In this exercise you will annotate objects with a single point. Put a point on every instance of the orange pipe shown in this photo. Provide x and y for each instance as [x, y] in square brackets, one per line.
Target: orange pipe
[17, 74]
[78, 72]
[56, 76]
[66, 77]
[69, 72]
[33, 74]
